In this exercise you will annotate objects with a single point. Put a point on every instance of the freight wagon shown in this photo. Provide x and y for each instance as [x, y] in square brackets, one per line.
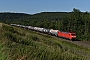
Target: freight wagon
[30, 27]
[46, 30]
[53, 32]
[40, 29]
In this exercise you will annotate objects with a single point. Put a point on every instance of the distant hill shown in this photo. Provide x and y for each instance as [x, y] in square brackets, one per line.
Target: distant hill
[52, 15]
[7, 17]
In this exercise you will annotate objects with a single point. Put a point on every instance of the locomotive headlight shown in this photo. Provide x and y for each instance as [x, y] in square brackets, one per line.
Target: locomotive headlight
[73, 36]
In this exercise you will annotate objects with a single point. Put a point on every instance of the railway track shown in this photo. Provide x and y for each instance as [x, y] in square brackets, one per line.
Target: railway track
[78, 42]
[82, 43]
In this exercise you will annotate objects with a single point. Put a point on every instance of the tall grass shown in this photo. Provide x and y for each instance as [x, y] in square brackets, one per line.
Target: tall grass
[19, 43]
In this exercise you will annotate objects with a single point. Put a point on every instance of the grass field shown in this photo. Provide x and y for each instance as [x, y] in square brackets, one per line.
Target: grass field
[18, 43]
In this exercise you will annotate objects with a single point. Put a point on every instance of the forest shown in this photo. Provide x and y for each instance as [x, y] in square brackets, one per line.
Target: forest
[74, 21]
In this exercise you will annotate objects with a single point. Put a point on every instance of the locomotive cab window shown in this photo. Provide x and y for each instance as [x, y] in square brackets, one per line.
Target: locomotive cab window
[73, 34]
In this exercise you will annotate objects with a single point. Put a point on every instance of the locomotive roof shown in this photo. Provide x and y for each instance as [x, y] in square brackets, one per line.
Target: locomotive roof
[66, 32]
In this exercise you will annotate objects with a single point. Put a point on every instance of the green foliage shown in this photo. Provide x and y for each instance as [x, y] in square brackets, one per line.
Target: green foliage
[2, 54]
[18, 43]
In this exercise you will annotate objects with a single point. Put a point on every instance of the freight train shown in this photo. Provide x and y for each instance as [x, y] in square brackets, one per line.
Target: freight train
[58, 33]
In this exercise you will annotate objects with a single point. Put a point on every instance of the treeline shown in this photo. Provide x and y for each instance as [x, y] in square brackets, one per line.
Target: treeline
[7, 17]
[27, 18]
[78, 22]
[75, 21]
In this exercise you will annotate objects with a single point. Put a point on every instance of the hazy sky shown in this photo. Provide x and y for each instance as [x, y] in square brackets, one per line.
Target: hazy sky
[36, 6]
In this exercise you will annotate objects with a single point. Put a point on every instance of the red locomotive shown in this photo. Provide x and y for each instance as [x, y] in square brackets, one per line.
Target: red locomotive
[69, 35]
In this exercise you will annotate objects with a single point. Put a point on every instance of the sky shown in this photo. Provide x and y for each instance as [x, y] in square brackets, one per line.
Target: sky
[37, 6]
